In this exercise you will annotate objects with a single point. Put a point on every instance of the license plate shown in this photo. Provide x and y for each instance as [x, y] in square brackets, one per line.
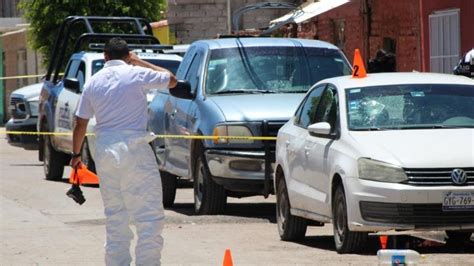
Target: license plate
[458, 201]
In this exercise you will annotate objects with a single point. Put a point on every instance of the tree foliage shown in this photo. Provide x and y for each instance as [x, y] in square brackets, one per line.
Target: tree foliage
[45, 17]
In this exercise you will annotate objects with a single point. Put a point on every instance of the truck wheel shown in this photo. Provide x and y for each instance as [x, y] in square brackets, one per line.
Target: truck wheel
[86, 157]
[169, 183]
[346, 241]
[209, 197]
[290, 227]
[53, 161]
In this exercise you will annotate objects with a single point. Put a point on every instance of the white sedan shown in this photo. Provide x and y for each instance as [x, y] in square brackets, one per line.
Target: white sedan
[389, 151]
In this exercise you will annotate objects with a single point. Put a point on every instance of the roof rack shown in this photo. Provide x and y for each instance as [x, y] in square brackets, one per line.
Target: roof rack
[141, 26]
[153, 47]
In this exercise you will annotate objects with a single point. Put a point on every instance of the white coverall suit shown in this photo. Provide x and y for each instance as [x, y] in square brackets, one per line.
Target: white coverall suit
[130, 182]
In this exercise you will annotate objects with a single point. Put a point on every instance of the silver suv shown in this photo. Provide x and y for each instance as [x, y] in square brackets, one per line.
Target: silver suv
[244, 87]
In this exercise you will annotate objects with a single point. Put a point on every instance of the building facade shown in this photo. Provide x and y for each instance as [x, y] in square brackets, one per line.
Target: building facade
[424, 35]
[191, 20]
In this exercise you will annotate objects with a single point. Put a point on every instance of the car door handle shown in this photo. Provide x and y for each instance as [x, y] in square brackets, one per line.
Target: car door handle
[287, 143]
[307, 150]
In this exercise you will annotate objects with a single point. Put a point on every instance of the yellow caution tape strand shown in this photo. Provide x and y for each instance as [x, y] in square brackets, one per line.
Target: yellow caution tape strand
[26, 76]
[156, 136]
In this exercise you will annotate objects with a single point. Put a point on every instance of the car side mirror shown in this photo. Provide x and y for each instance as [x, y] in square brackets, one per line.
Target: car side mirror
[72, 84]
[321, 129]
[182, 90]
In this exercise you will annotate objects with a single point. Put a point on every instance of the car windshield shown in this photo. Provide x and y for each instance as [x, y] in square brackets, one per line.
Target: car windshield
[171, 65]
[420, 106]
[271, 69]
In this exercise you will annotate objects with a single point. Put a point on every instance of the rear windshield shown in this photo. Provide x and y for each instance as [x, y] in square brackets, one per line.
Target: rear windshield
[271, 69]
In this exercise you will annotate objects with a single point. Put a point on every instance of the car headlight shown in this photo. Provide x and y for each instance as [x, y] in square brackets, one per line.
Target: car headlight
[380, 171]
[232, 130]
[33, 108]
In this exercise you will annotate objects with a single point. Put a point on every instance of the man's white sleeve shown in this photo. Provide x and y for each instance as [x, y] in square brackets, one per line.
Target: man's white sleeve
[152, 79]
[85, 109]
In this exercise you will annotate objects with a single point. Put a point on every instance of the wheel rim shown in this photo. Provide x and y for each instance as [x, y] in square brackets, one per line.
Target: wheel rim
[340, 220]
[46, 153]
[198, 192]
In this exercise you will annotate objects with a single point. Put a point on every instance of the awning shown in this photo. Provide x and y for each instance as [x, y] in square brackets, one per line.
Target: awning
[310, 11]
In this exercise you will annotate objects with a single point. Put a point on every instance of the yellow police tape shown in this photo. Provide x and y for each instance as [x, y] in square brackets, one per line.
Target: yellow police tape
[21, 77]
[156, 136]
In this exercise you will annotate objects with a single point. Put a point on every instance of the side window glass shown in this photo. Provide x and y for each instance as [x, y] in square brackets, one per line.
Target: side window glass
[192, 75]
[328, 108]
[183, 67]
[72, 69]
[309, 107]
[81, 74]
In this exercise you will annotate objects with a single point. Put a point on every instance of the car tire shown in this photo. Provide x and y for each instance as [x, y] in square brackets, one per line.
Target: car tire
[53, 161]
[209, 197]
[346, 241]
[86, 157]
[290, 227]
[169, 183]
[458, 237]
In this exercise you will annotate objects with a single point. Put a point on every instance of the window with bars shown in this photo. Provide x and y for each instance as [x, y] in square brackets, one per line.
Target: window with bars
[444, 40]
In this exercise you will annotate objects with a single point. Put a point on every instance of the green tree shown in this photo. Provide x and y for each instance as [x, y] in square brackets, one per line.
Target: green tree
[45, 17]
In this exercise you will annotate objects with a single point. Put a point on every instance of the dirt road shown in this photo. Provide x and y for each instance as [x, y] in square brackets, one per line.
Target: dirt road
[39, 225]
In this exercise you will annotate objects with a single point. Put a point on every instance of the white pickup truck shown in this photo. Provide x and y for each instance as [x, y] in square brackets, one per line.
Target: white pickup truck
[59, 98]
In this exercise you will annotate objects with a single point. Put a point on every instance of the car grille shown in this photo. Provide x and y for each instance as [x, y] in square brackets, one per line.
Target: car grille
[18, 108]
[435, 176]
[270, 129]
[419, 215]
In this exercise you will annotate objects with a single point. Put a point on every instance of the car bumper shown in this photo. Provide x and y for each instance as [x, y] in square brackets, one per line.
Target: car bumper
[28, 141]
[239, 170]
[380, 206]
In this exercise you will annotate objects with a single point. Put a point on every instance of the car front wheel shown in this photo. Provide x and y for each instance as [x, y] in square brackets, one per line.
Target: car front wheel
[346, 241]
[169, 183]
[290, 227]
[209, 197]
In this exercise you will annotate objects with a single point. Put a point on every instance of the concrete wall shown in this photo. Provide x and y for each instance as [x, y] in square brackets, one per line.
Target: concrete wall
[192, 20]
[15, 46]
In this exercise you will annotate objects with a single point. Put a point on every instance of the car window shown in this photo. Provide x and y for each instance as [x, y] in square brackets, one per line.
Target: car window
[183, 67]
[410, 106]
[81, 74]
[271, 69]
[327, 111]
[72, 68]
[309, 107]
[192, 75]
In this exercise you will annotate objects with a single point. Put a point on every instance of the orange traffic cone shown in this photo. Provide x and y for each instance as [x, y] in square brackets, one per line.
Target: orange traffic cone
[358, 69]
[227, 258]
[83, 176]
[383, 241]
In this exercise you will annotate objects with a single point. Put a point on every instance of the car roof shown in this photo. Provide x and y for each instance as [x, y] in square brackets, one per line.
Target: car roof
[263, 41]
[382, 79]
[142, 55]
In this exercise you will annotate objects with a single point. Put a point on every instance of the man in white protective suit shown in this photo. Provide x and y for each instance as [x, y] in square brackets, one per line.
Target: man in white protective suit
[130, 182]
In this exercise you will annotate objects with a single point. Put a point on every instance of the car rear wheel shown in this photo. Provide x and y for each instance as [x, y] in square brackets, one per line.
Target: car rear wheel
[209, 197]
[53, 161]
[290, 227]
[346, 241]
[169, 183]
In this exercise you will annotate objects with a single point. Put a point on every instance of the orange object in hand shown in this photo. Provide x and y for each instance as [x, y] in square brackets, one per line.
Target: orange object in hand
[83, 176]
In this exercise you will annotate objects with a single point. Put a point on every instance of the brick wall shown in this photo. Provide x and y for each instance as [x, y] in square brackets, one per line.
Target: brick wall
[389, 20]
[203, 19]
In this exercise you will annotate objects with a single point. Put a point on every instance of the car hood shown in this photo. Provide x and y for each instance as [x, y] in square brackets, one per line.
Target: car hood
[31, 93]
[253, 107]
[429, 148]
